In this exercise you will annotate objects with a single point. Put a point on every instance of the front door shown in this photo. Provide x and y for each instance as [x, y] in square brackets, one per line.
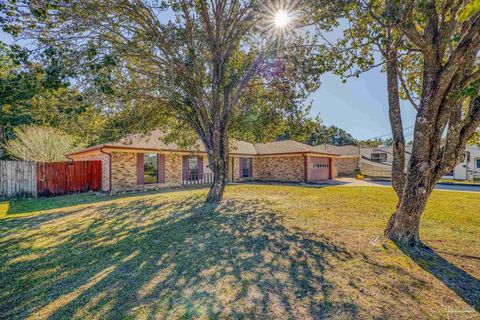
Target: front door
[320, 169]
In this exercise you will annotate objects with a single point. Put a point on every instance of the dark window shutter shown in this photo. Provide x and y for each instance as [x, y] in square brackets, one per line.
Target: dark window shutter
[185, 167]
[140, 168]
[161, 168]
[329, 168]
[200, 166]
[241, 167]
[250, 169]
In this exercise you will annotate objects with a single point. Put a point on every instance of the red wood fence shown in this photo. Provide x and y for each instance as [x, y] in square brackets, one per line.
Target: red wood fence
[68, 177]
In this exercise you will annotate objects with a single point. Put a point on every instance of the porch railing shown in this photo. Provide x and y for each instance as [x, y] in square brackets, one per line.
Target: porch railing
[197, 179]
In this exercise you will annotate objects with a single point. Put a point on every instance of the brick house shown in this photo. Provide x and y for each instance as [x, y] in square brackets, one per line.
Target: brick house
[144, 161]
[347, 159]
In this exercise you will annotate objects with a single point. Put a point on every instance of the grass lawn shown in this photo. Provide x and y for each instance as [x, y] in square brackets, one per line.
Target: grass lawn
[267, 252]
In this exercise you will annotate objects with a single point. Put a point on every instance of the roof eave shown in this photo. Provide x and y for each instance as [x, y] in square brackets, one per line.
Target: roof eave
[102, 146]
[109, 146]
[94, 148]
[299, 153]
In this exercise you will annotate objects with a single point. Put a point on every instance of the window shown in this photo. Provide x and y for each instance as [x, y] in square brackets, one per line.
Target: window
[246, 165]
[379, 157]
[477, 163]
[193, 168]
[320, 165]
[150, 168]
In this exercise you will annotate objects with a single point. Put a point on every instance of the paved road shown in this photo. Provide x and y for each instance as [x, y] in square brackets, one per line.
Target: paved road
[442, 186]
[449, 187]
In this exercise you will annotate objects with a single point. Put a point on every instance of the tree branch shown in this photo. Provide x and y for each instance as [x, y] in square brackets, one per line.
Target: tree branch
[407, 92]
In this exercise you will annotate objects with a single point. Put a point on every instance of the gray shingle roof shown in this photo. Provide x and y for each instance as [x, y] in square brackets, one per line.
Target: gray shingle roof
[286, 146]
[348, 150]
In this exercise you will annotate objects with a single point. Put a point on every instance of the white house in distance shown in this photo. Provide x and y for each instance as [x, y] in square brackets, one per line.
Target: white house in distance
[469, 169]
[377, 162]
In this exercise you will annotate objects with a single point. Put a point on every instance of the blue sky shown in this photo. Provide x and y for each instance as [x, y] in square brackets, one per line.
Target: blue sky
[359, 106]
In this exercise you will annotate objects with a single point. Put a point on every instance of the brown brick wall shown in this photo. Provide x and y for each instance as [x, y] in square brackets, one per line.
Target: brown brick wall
[309, 168]
[173, 170]
[282, 168]
[97, 155]
[346, 166]
[334, 168]
[124, 172]
[236, 168]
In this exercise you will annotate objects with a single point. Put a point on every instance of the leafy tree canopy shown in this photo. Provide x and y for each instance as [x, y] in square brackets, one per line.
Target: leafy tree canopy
[31, 93]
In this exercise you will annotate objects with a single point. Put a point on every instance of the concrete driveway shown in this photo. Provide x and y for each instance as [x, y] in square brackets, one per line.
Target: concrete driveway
[378, 183]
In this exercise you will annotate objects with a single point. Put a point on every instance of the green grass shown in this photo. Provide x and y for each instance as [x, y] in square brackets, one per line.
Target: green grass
[267, 252]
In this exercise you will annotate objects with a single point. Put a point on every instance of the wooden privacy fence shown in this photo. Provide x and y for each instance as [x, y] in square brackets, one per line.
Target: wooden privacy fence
[68, 177]
[24, 178]
[17, 178]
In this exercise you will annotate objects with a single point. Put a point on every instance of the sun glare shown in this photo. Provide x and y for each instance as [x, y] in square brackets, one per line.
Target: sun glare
[279, 17]
[282, 19]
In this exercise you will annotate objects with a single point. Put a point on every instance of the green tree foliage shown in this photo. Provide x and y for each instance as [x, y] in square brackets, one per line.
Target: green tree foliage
[70, 111]
[17, 84]
[330, 135]
[38, 93]
[40, 144]
[375, 142]
[470, 9]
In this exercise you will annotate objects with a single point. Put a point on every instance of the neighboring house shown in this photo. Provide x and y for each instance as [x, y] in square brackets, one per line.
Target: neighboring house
[144, 161]
[377, 162]
[383, 155]
[469, 168]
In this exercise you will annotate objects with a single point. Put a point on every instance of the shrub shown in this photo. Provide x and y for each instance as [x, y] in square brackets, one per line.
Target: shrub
[40, 144]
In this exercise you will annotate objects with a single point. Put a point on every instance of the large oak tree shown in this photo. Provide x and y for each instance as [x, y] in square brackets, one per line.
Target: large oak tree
[430, 53]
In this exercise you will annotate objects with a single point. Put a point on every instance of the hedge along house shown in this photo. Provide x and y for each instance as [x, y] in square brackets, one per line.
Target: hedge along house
[144, 161]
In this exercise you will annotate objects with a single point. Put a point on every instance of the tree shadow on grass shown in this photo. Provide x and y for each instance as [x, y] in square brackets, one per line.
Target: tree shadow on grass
[466, 286]
[28, 205]
[152, 258]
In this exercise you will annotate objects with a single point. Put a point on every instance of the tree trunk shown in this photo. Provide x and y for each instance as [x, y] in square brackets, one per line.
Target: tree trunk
[398, 164]
[218, 164]
[404, 224]
[2, 140]
[217, 149]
